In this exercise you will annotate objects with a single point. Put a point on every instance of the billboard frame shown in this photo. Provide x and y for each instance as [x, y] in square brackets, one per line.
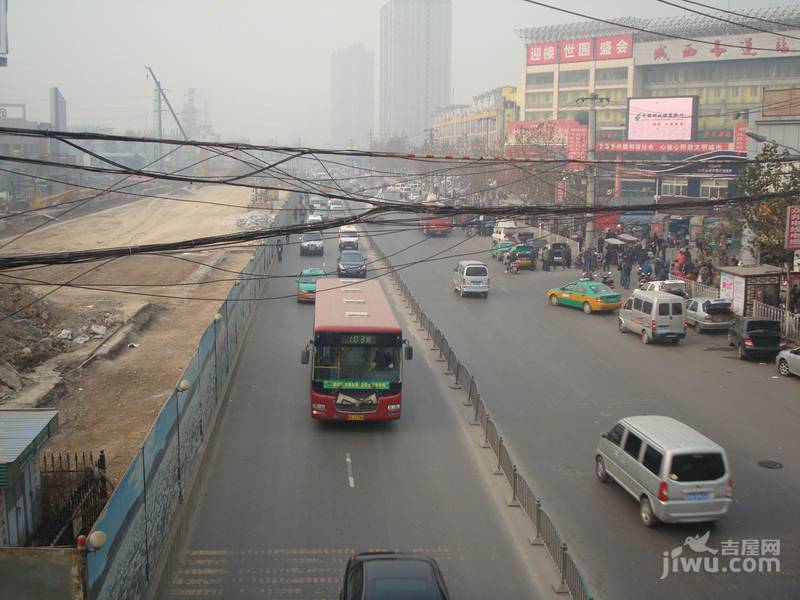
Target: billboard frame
[695, 116]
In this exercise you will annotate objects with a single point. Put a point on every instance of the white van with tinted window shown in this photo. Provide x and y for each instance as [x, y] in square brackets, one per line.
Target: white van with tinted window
[471, 277]
[654, 316]
[676, 474]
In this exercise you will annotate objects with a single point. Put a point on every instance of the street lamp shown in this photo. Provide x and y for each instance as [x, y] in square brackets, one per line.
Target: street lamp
[762, 139]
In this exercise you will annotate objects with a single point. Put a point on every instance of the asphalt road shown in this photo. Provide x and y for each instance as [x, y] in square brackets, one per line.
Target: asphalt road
[554, 379]
[276, 515]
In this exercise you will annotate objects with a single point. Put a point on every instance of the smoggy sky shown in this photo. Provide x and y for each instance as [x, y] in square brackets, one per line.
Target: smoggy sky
[261, 67]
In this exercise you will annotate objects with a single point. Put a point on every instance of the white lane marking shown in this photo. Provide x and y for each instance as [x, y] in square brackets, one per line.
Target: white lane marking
[350, 477]
[504, 289]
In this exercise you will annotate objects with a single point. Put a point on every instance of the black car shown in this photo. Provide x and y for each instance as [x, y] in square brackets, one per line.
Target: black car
[351, 264]
[392, 576]
[754, 336]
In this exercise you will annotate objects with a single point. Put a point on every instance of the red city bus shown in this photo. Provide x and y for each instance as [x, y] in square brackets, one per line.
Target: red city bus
[356, 359]
[434, 222]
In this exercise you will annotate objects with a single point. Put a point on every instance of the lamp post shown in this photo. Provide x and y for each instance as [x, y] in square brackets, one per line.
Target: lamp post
[762, 139]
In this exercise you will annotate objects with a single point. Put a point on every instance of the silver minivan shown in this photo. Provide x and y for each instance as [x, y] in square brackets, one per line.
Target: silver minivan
[677, 474]
[653, 316]
[471, 277]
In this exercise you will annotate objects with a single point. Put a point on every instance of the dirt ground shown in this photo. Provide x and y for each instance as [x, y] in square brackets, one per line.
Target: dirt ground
[110, 404]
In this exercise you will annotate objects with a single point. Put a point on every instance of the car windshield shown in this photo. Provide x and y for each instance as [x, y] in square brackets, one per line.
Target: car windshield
[351, 257]
[674, 288]
[310, 277]
[697, 467]
[476, 271]
[312, 236]
[357, 363]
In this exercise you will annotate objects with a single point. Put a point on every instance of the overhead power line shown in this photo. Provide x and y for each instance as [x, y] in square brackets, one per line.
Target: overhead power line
[742, 15]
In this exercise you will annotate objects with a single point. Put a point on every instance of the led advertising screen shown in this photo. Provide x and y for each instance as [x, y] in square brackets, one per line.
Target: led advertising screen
[662, 119]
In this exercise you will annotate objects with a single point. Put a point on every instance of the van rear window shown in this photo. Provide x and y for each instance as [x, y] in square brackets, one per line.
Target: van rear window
[697, 467]
[647, 307]
[476, 272]
[663, 310]
[677, 309]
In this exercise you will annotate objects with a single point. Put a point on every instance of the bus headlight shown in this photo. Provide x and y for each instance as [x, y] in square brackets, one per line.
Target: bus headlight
[318, 406]
[393, 407]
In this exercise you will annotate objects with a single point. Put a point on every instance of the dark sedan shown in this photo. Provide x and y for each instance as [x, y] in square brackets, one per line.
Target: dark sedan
[392, 576]
[351, 264]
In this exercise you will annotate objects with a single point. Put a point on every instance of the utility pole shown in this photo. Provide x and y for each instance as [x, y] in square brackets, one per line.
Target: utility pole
[591, 173]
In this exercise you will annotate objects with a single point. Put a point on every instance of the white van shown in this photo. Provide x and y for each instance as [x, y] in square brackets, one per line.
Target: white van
[504, 230]
[471, 277]
[654, 316]
[676, 474]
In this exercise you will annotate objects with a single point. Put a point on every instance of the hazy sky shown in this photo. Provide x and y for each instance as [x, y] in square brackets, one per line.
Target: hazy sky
[261, 65]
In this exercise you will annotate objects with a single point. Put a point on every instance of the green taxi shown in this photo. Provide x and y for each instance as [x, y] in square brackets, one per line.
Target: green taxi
[591, 296]
[307, 284]
[500, 247]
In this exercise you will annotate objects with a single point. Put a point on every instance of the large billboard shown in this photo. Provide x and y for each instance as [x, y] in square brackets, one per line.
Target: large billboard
[607, 47]
[671, 119]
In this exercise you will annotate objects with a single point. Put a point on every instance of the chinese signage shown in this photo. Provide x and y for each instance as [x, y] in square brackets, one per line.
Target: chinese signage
[336, 384]
[662, 147]
[793, 228]
[561, 191]
[726, 47]
[662, 119]
[585, 49]
[740, 138]
[578, 142]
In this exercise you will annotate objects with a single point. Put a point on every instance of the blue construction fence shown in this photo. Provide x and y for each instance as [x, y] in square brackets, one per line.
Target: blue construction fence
[139, 514]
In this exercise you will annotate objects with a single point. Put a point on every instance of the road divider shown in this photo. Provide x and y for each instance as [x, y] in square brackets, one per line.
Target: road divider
[522, 495]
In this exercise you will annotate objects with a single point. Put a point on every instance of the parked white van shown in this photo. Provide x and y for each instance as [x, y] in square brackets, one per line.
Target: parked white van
[676, 474]
[471, 277]
[505, 230]
[654, 316]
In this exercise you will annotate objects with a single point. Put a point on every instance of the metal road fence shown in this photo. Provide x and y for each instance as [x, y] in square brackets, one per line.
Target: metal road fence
[545, 530]
[790, 322]
[142, 509]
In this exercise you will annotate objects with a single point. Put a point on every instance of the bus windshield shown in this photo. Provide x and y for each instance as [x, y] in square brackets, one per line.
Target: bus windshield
[367, 363]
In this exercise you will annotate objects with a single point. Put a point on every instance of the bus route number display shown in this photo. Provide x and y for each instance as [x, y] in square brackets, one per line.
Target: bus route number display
[358, 339]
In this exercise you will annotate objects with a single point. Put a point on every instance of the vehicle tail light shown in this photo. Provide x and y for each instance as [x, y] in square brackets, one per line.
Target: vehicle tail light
[685, 324]
[784, 344]
[653, 325]
[729, 491]
[663, 491]
[748, 342]
[707, 318]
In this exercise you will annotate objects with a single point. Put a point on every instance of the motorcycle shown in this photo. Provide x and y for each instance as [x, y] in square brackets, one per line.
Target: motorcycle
[604, 278]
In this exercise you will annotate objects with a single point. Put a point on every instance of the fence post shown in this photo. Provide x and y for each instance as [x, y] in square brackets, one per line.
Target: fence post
[514, 500]
[455, 385]
[538, 541]
[485, 442]
[447, 370]
[475, 420]
[562, 587]
[498, 470]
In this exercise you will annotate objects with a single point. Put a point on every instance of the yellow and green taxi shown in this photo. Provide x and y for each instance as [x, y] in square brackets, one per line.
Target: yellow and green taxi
[525, 256]
[587, 294]
[307, 284]
[500, 247]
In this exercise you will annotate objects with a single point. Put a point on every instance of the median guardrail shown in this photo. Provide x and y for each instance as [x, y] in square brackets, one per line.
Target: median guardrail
[522, 495]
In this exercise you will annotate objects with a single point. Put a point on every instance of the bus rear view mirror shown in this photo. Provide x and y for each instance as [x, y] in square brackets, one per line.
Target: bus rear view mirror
[408, 352]
[305, 355]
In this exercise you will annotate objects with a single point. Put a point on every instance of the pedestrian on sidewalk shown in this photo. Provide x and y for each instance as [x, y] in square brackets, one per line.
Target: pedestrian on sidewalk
[279, 249]
[627, 266]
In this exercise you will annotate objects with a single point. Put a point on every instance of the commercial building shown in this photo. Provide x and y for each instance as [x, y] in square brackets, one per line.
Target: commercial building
[352, 92]
[479, 128]
[415, 65]
[702, 92]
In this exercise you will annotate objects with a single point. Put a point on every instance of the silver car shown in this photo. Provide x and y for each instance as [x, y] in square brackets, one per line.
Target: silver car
[788, 362]
[709, 314]
[676, 474]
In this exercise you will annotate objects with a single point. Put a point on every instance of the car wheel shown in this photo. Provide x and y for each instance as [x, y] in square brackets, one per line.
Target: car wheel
[600, 470]
[783, 368]
[621, 326]
[461, 292]
[675, 341]
[698, 328]
[485, 294]
[645, 338]
[740, 351]
[646, 513]
[587, 308]
[554, 300]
